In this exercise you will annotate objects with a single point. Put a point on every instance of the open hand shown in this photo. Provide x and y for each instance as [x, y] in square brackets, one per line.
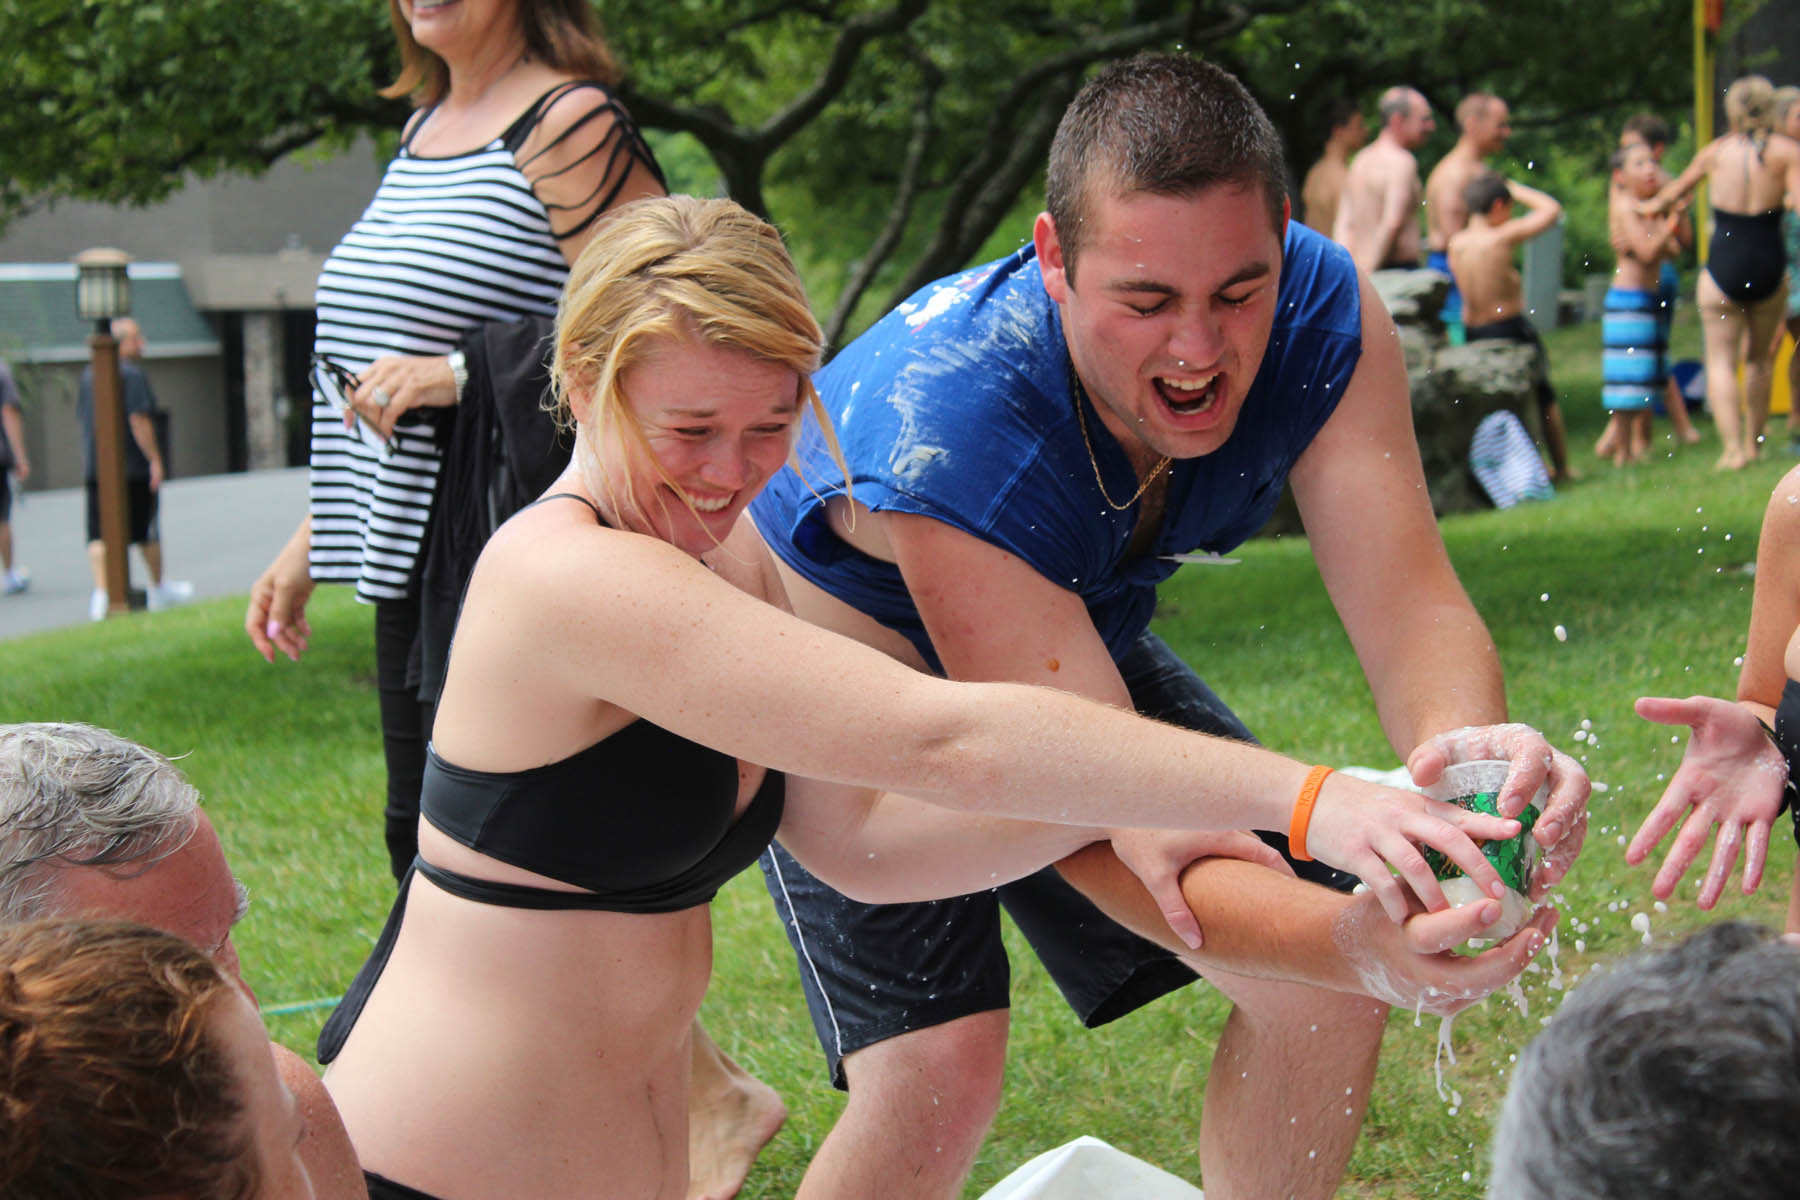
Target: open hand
[1413, 966]
[1730, 776]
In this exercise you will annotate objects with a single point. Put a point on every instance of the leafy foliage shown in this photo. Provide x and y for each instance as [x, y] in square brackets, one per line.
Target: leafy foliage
[117, 101]
[892, 138]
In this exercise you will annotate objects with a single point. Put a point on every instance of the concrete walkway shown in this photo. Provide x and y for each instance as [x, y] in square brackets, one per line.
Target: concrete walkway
[218, 531]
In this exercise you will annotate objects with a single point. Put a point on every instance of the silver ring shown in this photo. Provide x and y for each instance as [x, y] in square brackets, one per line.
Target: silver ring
[381, 398]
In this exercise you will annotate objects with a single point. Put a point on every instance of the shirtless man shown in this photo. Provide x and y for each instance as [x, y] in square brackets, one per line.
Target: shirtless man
[1377, 217]
[1031, 441]
[1484, 124]
[1481, 258]
[1345, 134]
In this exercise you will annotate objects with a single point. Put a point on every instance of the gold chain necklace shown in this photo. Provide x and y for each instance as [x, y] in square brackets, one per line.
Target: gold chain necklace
[1080, 395]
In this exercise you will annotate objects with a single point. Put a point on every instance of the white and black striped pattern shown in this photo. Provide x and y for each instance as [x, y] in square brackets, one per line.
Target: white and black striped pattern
[1506, 462]
[447, 243]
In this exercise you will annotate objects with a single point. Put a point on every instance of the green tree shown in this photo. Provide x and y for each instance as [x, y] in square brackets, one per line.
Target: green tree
[117, 101]
[891, 138]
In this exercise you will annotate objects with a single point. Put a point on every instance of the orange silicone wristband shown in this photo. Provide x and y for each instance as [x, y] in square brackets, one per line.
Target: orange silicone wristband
[1303, 806]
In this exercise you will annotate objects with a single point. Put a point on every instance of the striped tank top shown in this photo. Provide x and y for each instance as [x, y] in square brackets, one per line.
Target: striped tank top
[446, 244]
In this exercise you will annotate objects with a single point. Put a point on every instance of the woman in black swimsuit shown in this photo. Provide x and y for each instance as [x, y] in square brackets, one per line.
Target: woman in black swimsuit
[1743, 759]
[1752, 175]
[622, 669]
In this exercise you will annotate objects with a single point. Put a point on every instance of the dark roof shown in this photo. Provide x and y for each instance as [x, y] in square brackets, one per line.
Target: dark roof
[38, 322]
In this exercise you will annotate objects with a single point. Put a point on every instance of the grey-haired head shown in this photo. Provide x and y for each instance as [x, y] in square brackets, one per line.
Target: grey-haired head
[78, 796]
[1673, 1074]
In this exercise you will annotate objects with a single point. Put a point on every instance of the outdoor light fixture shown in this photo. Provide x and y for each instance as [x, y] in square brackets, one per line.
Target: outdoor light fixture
[102, 295]
[102, 288]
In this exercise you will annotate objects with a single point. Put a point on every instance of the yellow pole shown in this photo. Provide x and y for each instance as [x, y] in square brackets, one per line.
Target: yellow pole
[1703, 119]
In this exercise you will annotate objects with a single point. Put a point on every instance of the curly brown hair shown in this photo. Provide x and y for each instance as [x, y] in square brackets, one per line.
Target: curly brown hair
[113, 1079]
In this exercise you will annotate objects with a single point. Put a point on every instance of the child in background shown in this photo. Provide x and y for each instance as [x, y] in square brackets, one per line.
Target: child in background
[1481, 257]
[1650, 130]
[1633, 336]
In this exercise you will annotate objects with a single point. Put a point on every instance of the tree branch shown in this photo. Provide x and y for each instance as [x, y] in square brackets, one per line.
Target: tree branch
[899, 213]
[856, 34]
[988, 184]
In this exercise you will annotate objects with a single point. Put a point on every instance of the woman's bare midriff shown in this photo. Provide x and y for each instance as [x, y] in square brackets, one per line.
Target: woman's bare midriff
[560, 1036]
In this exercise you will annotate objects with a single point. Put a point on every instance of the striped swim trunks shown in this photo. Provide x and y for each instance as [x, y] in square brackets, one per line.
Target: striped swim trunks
[1633, 371]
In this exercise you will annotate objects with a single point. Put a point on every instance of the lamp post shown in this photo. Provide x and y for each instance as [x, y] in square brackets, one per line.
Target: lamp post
[103, 294]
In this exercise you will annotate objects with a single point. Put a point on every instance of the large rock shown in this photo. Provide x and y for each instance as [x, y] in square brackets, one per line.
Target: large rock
[1463, 385]
[1413, 297]
[1452, 388]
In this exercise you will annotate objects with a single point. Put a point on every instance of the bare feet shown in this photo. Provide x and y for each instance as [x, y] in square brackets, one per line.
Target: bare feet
[1609, 442]
[1731, 460]
[1689, 435]
[731, 1117]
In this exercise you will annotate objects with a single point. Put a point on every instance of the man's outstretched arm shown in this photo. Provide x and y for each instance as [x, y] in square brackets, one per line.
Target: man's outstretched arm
[1268, 925]
[1428, 657]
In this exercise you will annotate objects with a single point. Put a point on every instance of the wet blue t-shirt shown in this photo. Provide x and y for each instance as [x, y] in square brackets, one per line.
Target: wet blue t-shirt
[957, 406]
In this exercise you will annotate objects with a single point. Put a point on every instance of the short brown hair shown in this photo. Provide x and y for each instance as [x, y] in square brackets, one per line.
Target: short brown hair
[1648, 128]
[1484, 191]
[113, 1081]
[1168, 124]
[1473, 107]
[562, 33]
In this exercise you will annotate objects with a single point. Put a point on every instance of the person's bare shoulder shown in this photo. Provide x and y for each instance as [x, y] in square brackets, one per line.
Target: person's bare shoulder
[1782, 517]
[326, 1150]
[1467, 249]
[1400, 167]
[1441, 176]
[745, 561]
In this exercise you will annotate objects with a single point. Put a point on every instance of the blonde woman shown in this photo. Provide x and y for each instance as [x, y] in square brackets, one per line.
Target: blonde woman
[625, 696]
[1752, 174]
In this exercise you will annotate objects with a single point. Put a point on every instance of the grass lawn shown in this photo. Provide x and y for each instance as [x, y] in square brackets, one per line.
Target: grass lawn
[1646, 570]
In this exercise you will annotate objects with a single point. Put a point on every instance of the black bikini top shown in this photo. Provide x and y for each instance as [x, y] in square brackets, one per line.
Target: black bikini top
[1787, 740]
[642, 819]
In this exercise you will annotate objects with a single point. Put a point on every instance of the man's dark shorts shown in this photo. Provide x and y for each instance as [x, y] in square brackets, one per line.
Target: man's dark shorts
[141, 503]
[5, 497]
[872, 972]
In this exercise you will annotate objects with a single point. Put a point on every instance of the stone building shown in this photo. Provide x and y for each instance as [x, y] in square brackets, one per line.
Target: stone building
[222, 284]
